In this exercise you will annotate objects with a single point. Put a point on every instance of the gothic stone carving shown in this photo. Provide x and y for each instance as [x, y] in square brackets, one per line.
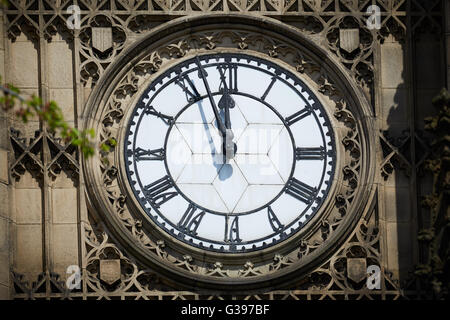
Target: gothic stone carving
[29, 156]
[331, 280]
[112, 197]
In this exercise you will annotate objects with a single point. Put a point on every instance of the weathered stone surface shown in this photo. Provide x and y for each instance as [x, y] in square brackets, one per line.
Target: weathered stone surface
[392, 69]
[357, 269]
[64, 246]
[400, 246]
[102, 38]
[60, 74]
[4, 139]
[23, 64]
[4, 176]
[349, 39]
[2, 59]
[4, 267]
[5, 209]
[64, 205]
[394, 106]
[64, 98]
[28, 255]
[397, 204]
[4, 292]
[110, 270]
[4, 235]
[28, 203]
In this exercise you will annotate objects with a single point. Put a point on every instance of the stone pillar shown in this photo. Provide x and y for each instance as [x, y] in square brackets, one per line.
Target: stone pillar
[395, 198]
[25, 211]
[4, 187]
[62, 189]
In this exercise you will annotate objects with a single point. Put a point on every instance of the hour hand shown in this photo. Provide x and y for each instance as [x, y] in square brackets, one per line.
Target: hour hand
[226, 101]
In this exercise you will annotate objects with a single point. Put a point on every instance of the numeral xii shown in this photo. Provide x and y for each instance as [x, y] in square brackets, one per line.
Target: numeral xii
[228, 77]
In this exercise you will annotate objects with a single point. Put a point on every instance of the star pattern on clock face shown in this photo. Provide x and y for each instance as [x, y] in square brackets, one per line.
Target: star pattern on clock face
[248, 181]
[229, 153]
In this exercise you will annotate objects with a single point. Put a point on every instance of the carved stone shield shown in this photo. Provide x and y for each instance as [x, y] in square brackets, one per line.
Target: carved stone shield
[102, 39]
[110, 270]
[349, 39]
[357, 269]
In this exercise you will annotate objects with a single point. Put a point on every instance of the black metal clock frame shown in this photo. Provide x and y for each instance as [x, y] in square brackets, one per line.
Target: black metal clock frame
[293, 187]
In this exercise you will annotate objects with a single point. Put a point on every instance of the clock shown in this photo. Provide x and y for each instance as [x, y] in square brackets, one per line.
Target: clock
[229, 153]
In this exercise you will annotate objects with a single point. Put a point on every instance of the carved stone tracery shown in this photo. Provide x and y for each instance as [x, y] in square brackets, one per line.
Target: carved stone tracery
[28, 156]
[328, 281]
[141, 72]
[318, 18]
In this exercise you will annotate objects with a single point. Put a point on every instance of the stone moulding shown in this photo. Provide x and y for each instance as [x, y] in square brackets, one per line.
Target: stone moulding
[350, 197]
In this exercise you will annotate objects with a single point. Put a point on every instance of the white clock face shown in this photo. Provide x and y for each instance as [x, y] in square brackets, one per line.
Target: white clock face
[229, 153]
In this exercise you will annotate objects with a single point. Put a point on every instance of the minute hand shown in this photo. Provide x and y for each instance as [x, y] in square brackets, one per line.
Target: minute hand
[222, 128]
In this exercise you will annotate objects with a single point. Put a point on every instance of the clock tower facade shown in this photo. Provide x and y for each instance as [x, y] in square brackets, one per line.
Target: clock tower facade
[260, 149]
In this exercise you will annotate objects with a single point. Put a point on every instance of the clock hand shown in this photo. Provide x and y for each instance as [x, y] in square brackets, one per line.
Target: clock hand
[221, 126]
[226, 102]
[228, 146]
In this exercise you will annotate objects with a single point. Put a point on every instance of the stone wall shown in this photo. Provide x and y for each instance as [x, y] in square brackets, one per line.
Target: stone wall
[45, 223]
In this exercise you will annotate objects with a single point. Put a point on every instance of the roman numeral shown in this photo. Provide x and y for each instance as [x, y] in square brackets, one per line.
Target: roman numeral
[315, 153]
[298, 116]
[268, 88]
[152, 111]
[276, 225]
[231, 84]
[156, 192]
[141, 154]
[232, 231]
[301, 191]
[190, 90]
[190, 221]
